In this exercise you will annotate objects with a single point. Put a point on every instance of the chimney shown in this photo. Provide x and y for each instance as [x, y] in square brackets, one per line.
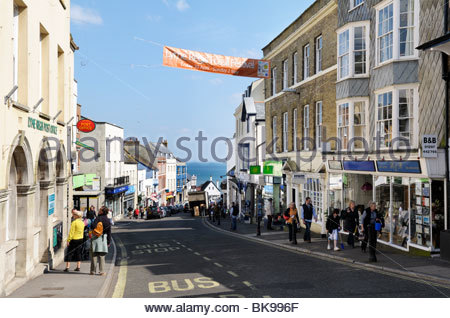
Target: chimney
[210, 178]
[165, 143]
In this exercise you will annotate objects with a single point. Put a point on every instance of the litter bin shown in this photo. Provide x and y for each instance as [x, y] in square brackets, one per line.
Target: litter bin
[445, 245]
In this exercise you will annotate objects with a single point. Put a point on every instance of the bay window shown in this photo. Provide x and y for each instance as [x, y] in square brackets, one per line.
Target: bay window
[397, 113]
[306, 127]
[343, 124]
[397, 30]
[319, 123]
[352, 50]
[355, 3]
[352, 123]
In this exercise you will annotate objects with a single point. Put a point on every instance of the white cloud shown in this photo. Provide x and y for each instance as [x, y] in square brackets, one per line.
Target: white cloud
[166, 2]
[80, 15]
[154, 18]
[182, 5]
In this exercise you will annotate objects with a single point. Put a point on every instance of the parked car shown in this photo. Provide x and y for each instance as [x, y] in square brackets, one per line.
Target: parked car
[154, 213]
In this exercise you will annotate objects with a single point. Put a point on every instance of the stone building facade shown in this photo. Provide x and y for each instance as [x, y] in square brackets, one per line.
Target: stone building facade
[36, 88]
[300, 103]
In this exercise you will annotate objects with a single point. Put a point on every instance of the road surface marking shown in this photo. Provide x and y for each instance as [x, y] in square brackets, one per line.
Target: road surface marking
[231, 296]
[119, 290]
[182, 285]
[246, 283]
[233, 274]
[183, 245]
[206, 258]
[197, 253]
[266, 297]
[190, 249]
[218, 265]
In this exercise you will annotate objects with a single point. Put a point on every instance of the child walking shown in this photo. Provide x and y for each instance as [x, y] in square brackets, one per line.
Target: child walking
[333, 228]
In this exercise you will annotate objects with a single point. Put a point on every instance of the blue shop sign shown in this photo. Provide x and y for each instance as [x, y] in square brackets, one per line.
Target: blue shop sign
[116, 190]
[131, 190]
[359, 166]
[399, 166]
[268, 189]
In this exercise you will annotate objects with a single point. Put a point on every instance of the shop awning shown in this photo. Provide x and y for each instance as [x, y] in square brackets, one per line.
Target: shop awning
[86, 194]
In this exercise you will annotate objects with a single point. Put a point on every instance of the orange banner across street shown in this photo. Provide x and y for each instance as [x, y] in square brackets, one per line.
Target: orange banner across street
[213, 63]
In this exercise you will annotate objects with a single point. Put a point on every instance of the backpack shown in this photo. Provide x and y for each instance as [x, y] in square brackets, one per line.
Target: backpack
[98, 231]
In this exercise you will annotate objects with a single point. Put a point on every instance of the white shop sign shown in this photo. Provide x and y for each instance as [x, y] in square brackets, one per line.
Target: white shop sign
[298, 178]
[429, 146]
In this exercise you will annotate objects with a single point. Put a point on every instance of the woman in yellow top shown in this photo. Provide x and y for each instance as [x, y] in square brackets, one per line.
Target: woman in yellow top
[75, 240]
[291, 217]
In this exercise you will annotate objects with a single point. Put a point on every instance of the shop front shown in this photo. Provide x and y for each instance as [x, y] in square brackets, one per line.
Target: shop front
[114, 199]
[409, 195]
[128, 199]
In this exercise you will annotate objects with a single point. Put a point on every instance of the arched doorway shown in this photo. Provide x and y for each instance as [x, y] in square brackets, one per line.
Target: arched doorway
[42, 220]
[19, 243]
[61, 217]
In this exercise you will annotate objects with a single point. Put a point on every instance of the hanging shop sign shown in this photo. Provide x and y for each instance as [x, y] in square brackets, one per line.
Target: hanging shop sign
[86, 125]
[274, 168]
[111, 191]
[213, 63]
[399, 166]
[298, 178]
[80, 144]
[255, 169]
[429, 146]
[360, 166]
[335, 164]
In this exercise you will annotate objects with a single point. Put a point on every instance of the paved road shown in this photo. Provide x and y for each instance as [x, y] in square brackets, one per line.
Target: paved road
[180, 257]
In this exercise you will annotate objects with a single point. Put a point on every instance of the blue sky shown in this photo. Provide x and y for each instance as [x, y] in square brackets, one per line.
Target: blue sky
[121, 79]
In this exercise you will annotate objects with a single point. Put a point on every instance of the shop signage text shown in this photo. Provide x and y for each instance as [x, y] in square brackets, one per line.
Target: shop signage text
[429, 146]
[51, 204]
[298, 178]
[399, 166]
[86, 125]
[359, 166]
[255, 169]
[116, 190]
[40, 125]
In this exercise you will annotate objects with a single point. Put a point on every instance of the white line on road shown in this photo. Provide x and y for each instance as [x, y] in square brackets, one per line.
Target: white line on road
[233, 274]
[197, 253]
[190, 249]
[218, 265]
[248, 284]
[206, 258]
[119, 290]
[266, 297]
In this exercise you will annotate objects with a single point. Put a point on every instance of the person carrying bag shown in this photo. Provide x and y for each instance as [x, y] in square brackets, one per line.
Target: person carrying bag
[100, 241]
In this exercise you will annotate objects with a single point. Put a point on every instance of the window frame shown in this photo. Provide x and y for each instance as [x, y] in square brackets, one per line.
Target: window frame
[354, 6]
[396, 32]
[319, 54]
[274, 81]
[319, 124]
[295, 68]
[285, 83]
[306, 61]
[414, 141]
[294, 131]
[274, 134]
[285, 131]
[306, 127]
[15, 56]
[350, 28]
[351, 121]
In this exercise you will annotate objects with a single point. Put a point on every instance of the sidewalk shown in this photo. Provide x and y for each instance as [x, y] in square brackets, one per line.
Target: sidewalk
[58, 284]
[390, 260]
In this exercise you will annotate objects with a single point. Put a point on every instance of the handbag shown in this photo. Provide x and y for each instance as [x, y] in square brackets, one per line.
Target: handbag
[100, 244]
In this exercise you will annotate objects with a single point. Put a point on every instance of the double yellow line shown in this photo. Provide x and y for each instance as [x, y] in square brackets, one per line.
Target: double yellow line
[119, 290]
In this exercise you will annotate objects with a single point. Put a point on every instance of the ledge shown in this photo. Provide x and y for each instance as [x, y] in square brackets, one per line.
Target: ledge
[61, 123]
[44, 116]
[4, 195]
[9, 245]
[21, 107]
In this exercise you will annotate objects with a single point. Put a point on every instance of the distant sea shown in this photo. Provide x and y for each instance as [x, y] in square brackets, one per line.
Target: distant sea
[204, 171]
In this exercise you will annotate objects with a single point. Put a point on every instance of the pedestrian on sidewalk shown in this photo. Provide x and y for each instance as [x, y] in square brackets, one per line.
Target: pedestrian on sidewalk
[333, 228]
[91, 214]
[259, 215]
[136, 212]
[234, 216]
[350, 219]
[217, 213]
[142, 212]
[370, 218]
[291, 216]
[100, 245]
[269, 213]
[75, 241]
[307, 213]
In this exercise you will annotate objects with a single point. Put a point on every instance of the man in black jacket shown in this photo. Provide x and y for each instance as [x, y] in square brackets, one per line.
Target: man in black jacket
[369, 219]
[351, 221]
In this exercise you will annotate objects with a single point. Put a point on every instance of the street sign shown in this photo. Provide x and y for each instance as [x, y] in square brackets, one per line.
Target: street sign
[51, 204]
[255, 169]
[429, 146]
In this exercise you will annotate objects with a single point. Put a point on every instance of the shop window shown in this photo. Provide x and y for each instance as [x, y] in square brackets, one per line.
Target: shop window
[420, 212]
[313, 189]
